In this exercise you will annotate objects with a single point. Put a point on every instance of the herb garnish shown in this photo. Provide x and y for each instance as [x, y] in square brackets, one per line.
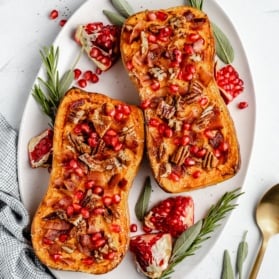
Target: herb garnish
[242, 253]
[143, 200]
[227, 272]
[212, 220]
[49, 92]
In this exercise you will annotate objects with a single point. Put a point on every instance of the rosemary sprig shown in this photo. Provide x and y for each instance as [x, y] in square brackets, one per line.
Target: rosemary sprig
[196, 4]
[49, 92]
[212, 220]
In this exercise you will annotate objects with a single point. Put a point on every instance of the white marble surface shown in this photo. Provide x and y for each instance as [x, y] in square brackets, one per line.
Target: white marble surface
[25, 28]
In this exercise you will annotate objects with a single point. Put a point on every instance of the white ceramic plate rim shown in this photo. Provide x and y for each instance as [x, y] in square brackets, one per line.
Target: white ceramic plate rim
[33, 183]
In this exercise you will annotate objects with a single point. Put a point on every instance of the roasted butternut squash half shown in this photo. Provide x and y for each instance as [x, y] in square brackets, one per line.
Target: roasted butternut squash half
[82, 223]
[190, 136]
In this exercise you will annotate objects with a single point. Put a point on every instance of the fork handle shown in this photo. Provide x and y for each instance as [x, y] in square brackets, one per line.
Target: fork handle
[258, 261]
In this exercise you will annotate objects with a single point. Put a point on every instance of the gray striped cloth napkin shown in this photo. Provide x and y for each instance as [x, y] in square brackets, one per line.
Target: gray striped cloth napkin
[17, 259]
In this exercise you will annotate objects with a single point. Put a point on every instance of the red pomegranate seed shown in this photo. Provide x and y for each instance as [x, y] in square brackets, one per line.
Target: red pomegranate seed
[62, 22]
[188, 48]
[76, 207]
[99, 243]
[242, 105]
[152, 38]
[116, 198]
[145, 104]
[161, 15]
[88, 261]
[87, 75]
[82, 83]
[109, 256]
[168, 132]
[85, 213]
[184, 140]
[79, 195]
[77, 73]
[63, 237]
[94, 78]
[193, 37]
[154, 122]
[95, 52]
[98, 190]
[98, 71]
[70, 210]
[133, 228]
[53, 14]
[107, 200]
[155, 85]
[189, 162]
[115, 228]
[173, 88]
[174, 176]
[151, 16]
[196, 174]
[47, 241]
[56, 257]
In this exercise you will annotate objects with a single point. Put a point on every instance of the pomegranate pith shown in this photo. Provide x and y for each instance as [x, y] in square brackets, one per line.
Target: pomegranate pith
[152, 253]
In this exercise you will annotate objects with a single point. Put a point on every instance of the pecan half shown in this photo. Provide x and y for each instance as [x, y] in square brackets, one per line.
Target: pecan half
[180, 154]
[209, 161]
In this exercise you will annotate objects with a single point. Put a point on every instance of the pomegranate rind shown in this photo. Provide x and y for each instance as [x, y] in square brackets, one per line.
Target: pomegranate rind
[151, 253]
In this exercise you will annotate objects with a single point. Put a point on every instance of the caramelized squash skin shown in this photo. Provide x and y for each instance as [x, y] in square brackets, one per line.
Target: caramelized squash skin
[82, 223]
[190, 136]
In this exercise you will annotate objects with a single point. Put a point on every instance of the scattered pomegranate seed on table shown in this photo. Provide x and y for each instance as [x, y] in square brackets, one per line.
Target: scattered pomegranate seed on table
[53, 14]
[242, 105]
[62, 22]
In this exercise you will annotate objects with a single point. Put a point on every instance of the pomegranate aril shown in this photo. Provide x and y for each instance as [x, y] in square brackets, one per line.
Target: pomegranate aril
[107, 200]
[196, 174]
[77, 73]
[88, 261]
[133, 228]
[174, 177]
[87, 75]
[62, 22]
[96, 236]
[161, 15]
[85, 213]
[82, 83]
[56, 257]
[47, 241]
[98, 190]
[115, 228]
[63, 237]
[94, 78]
[116, 198]
[242, 105]
[53, 14]
[110, 256]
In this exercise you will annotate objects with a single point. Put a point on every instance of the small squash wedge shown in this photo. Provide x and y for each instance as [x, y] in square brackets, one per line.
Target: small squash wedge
[190, 136]
[82, 223]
